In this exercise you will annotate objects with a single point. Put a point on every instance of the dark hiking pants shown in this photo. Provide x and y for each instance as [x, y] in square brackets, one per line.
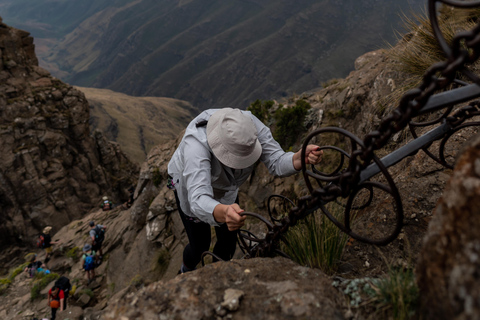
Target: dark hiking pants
[199, 238]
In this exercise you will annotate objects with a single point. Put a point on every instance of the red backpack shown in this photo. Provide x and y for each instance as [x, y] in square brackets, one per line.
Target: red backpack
[107, 206]
[41, 241]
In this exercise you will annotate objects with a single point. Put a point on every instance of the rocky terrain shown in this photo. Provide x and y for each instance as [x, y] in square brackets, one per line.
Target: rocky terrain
[138, 280]
[52, 171]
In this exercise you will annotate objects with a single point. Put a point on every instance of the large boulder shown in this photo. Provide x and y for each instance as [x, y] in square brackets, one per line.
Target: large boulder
[237, 289]
[448, 270]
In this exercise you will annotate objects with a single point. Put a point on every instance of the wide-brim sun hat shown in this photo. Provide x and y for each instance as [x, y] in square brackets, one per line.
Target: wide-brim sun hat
[46, 230]
[105, 198]
[232, 136]
[87, 247]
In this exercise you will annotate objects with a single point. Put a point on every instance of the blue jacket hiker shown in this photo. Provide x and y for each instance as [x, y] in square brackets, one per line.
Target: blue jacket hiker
[88, 262]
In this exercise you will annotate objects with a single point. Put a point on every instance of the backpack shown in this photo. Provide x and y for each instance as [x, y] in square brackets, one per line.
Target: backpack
[107, 206]
[64, 284]
[41, 241]
[89, 263]
[99, 234]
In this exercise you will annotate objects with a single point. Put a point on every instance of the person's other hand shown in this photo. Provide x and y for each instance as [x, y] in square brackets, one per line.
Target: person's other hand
[313, 155]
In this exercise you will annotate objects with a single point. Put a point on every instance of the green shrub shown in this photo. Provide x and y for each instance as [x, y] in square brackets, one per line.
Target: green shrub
[316, 242]
[5, 282]
[40, 281]
[290, 123]
[162, 260]
[157, 177]
[73, 253]
[261, 109]
[88, 292]
[15, 272]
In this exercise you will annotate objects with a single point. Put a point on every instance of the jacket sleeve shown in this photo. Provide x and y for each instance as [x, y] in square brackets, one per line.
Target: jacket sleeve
[197, 176]
[278, 162]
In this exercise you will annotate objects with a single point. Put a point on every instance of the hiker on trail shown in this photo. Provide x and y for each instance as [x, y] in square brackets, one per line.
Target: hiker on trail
[88, 262]
[97, 234]
[33, 266]
[106, 204]
[216, 155]
[56, 300]
[45, 242]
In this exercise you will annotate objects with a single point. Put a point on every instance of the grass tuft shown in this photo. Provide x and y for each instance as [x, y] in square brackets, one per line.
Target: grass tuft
[395, 296]
[137, 281]
[422, 50]
[316, 242]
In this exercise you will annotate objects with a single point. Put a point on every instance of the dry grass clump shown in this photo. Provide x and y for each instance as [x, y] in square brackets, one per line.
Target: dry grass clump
[421, 49]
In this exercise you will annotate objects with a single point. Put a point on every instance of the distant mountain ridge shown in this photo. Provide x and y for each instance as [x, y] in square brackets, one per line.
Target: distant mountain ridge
[137, 123]
[212, 53]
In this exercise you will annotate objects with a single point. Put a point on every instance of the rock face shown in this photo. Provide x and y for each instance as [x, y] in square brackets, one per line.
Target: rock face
[52, 170]
[244, 289]
[448, 269]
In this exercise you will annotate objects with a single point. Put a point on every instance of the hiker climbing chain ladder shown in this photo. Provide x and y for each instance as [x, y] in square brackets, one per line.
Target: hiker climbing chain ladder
[358, 186]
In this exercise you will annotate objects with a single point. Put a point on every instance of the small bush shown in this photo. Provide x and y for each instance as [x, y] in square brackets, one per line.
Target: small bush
[40, 281]
[73, 253]
[88, 292]
[290, 123]
[162, 260]
[15, 272]
[157, 177]
[5, 282]
[261, 109]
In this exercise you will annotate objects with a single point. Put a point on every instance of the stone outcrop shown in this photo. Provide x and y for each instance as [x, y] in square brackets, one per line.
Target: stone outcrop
[450, 258]
[52, 170]
[243, 289]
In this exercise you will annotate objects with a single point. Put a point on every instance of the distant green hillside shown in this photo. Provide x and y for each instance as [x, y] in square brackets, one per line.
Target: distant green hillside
[207, 52]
